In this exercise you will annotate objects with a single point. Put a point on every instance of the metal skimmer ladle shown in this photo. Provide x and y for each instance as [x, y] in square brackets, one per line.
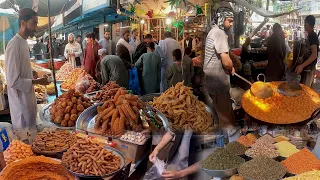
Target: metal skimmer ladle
[259, 89]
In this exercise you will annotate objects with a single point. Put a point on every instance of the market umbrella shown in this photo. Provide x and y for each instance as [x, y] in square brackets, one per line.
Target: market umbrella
[41, 6]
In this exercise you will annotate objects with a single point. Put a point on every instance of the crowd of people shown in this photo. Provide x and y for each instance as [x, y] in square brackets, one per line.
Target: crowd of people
[279, 43]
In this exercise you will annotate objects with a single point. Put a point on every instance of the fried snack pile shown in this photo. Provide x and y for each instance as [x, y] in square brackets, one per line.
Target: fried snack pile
[40, 92]
[119, 114]
[66, 109]
[17, 150]
[107, 92]
[94, 86]
[53, 141]
[73, 78]
[36, 168]
[65, 71]
[90, 158]
[184, 110]
[280, 109]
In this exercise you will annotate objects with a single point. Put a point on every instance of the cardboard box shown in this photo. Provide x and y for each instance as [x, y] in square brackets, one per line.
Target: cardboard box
[136, 152]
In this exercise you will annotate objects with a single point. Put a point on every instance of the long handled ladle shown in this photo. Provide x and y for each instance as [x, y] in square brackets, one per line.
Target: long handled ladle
[259, 89]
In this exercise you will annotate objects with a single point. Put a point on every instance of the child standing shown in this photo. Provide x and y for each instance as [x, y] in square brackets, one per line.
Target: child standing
[178, 71]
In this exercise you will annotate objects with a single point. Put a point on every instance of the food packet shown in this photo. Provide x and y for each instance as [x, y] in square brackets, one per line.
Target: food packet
[160, 165]
[82, 84]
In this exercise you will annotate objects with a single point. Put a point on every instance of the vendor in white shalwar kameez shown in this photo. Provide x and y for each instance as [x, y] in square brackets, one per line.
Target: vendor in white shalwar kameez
[19, 77]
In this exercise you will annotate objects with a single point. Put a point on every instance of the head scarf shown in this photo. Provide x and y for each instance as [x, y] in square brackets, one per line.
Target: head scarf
[73, 38]
[222, 17]
[102, 51]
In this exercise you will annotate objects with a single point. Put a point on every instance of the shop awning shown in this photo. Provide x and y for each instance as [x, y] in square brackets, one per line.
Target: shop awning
[56, 6]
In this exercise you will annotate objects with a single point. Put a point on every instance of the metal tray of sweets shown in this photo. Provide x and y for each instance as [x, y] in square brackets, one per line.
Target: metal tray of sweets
[115, 152]
[44, 115]
[86, 121]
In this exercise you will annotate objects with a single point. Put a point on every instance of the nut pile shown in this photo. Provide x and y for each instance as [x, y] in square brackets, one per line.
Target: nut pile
[64, 71]
[53, 141]
[66, 109]
[134, 137]
[262, 168]
[90, 158]
[108, 91]
[119, 114]
[17, 150]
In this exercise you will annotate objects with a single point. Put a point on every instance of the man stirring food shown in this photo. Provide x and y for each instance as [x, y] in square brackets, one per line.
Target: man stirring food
[217, 68]
[19, 77]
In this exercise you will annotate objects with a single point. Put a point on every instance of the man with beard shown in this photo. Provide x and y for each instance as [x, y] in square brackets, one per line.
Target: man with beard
[124, 49]
[91, 56]
[108, 44]
[217, 68]
[73, 51]
[19, 77]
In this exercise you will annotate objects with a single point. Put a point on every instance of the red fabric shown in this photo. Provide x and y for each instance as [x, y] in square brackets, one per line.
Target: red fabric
[91, 58]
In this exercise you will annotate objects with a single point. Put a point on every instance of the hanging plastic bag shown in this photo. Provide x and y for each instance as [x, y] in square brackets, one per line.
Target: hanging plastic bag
[83, 84]
[134, 81]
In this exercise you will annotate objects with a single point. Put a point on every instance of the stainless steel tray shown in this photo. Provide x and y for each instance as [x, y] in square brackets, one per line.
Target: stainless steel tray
[115, 152]
[45, 118]
[86, 120]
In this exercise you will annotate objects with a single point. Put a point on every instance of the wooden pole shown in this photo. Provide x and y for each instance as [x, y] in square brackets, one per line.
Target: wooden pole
[51, 58]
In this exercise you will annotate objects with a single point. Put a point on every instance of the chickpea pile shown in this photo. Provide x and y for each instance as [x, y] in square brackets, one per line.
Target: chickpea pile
[17, 150]
[66, 109]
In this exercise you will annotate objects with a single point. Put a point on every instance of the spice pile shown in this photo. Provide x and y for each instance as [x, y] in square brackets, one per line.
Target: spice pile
[302, 161]
[184, 110]
[66, 109]
[262, 168]
[262, 150]
[90, 158]
[108, 91]
[244, 140]
[286, 149]
[266, 140]
[281, 138]
[221, 159]
[17, 150]
[311, 175]
[72, 79]
[36, 167]
[236, 148]
[64, 71]
[119, 114]
[53, 141]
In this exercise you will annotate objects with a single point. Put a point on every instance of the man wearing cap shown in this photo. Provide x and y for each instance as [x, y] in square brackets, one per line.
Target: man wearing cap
[19, 77]
[218, 67]
[112, 68]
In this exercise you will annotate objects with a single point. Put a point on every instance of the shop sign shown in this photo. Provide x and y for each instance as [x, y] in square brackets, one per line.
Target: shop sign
[92, 5]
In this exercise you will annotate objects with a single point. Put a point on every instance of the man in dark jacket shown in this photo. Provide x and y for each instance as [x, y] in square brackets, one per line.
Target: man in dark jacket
[142, 48]
[124, 49]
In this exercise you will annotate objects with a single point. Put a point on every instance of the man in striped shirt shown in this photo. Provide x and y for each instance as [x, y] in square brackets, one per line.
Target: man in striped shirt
[218, 67]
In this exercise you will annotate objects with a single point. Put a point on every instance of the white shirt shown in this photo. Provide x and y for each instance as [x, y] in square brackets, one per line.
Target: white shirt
[21, 94]
[75, 48]
[167, 46]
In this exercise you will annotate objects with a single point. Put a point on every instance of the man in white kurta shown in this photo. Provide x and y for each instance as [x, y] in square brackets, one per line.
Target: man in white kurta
[167, 46]
[72, 51]
[19, 77]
